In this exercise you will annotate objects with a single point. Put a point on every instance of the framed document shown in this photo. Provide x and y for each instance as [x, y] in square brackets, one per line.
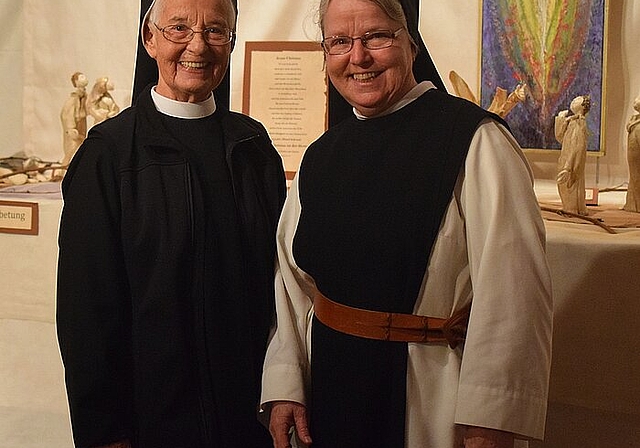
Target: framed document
[285, 88]
[19, 217]
[558, 50]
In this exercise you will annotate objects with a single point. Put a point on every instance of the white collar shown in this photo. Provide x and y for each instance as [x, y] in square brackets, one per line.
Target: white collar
[181, 109]
[412, 95]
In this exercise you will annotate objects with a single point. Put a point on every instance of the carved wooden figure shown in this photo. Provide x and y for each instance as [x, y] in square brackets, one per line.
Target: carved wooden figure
[572, 132]
[502, 102]
[100, 103]
[74, 118]
[632, 203]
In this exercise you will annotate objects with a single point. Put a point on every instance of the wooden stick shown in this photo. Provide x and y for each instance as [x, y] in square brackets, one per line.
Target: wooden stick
[39, 170]
[595, 221]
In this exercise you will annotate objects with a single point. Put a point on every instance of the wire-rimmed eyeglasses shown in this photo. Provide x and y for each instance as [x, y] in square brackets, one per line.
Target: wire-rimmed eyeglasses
[372, 40]
[181, 34]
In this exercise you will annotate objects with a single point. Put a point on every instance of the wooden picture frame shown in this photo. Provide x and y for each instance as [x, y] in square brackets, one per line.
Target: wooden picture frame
[285, 88]
[558, 48]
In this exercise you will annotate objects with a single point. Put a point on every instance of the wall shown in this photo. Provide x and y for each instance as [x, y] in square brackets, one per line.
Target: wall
[11, 50]
[98, 38]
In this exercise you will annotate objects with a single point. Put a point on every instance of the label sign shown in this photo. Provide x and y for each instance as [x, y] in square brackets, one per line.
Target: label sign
[19, 217]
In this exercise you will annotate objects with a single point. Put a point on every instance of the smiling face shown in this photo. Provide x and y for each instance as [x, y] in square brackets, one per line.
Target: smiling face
[190, 71]
[370, 80]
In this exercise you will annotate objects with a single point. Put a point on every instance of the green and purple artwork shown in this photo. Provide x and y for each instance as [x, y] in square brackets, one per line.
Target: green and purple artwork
[555, 47]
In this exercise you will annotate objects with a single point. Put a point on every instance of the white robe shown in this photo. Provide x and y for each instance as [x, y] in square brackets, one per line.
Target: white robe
[490, 248]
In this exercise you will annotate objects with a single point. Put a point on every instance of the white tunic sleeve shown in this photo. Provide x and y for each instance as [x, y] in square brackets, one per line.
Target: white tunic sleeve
[286, 367]
[490, 250]
[505, 367]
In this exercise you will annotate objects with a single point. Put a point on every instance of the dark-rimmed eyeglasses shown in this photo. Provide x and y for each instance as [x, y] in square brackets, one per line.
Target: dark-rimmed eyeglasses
[212, 35]
[372, 40]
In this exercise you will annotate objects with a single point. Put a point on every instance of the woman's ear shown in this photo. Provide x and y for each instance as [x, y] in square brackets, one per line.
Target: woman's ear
[414, 49]
[149, 39]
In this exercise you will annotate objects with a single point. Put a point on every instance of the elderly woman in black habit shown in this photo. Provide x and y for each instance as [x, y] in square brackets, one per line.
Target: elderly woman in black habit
[167, 249]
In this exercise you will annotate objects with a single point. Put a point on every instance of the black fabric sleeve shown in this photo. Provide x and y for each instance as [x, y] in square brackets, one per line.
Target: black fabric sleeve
[93, 304]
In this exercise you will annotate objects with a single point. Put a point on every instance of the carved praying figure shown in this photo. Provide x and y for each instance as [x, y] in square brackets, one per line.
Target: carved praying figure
[632, 203]
[572, 132]
[74, 118]
[502, 101]
[100, 103]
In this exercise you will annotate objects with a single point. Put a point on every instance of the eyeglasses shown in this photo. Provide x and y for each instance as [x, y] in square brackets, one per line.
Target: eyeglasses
[181, 34]
[372, 40]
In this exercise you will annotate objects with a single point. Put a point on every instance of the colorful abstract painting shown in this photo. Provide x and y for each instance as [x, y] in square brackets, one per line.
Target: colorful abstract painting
[557, 48]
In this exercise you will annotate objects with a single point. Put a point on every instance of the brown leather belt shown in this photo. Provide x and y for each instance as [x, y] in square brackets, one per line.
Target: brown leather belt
[392, 326]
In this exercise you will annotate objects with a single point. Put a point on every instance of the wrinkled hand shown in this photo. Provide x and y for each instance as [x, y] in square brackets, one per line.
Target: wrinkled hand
[284, 416]
[476, 437]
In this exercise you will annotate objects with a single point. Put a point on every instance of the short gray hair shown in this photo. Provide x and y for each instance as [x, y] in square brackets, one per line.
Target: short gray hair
[392, 8]
[157, 5]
